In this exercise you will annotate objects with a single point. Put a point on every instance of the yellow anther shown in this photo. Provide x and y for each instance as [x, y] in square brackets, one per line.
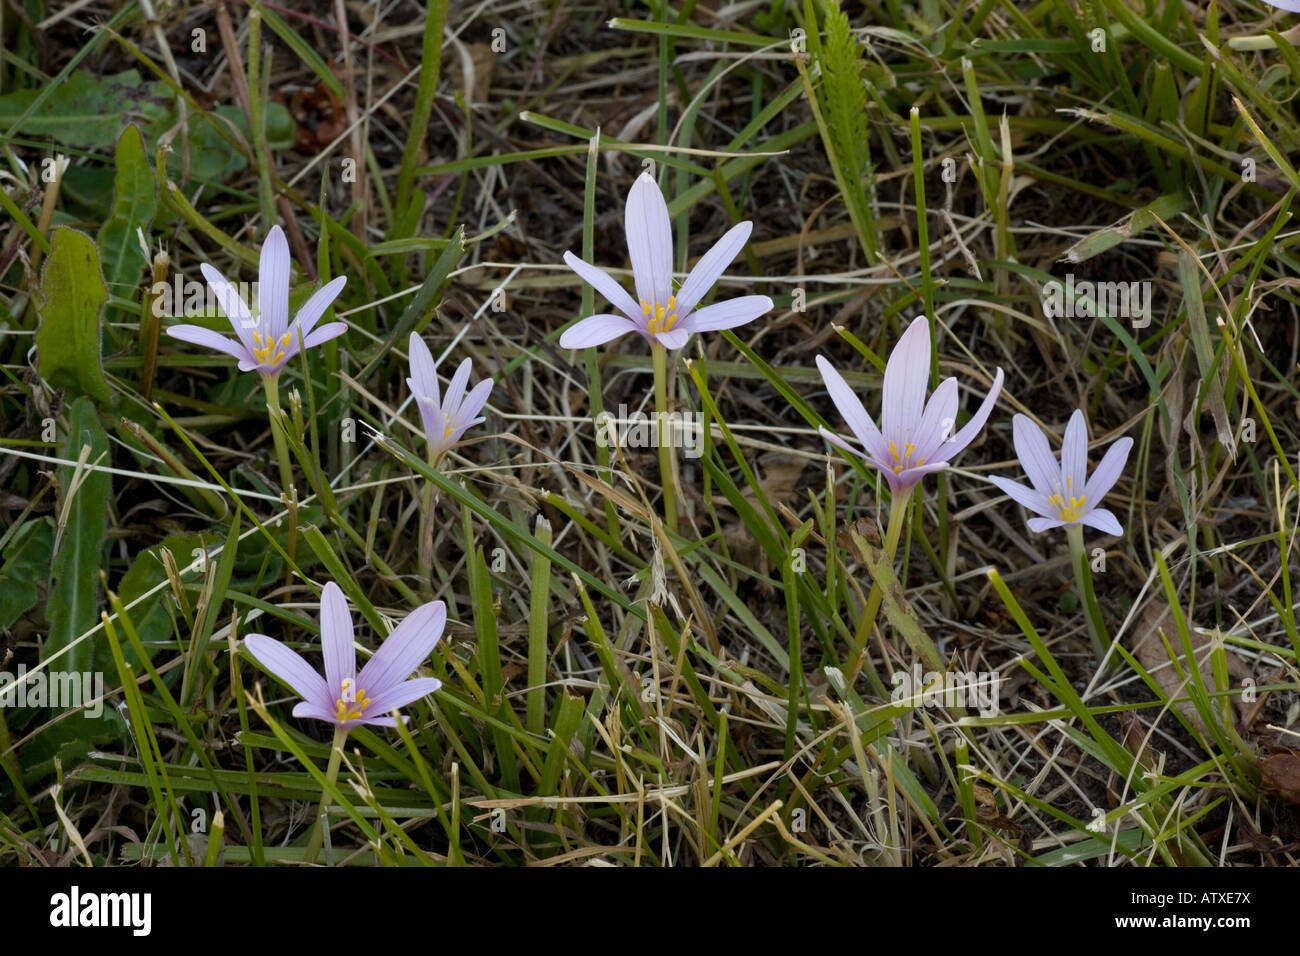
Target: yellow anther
[345, 710]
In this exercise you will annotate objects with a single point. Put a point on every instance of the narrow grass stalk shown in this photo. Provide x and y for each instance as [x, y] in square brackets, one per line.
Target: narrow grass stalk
[332, 775]
[667, 476]
[1083, 577]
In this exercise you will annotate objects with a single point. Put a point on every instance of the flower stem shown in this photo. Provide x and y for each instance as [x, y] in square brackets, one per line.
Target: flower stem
[332, 775]
[897, 519]
[667, 472]
[1083, 577]
[424, 549]
[271, 384]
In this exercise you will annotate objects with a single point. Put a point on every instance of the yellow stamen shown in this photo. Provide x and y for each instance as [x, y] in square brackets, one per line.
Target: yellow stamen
[345, 709]
[660, 318]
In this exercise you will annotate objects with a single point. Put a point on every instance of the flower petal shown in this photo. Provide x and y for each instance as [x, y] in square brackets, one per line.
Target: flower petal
[336, 638]
[236, 309]
[473, 404]
[273, 283]
[197, 335]
[1039, 525]
[596, 330]
[906, 374]
[729, 314]
[711, 266]
[973, 427]
[1103, 520]
[839, 442]
[435, 425]
[674, 338]
[1074, 454]
[289, 666]
[605, 284]
[910, 476]
[330, 330]
[649, 241]
[321, 300]
[399, 695]
[1035, 455]
[938, 423]
[1108, 471]
[456, 390]
[405, 649]
[424, 373]
[1028, 498]
[855, 415]
[306, 708]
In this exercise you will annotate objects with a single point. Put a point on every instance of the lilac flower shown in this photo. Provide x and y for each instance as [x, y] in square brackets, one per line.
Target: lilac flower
[344, 697]
[445, 420]
[266, 341]
[1063, 494]
[658, 314]
[915, 437]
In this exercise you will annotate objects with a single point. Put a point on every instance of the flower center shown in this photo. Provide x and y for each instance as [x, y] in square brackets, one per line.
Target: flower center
[660, 318]
[351, 704]
[267, 351]
[904, 461]
[1075, 509]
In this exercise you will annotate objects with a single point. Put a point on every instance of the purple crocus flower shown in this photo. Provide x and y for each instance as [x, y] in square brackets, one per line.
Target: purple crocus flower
[658, 314]
[1063, 494]
[915, 437]
[344, 697]
[266, 341]
[445, 419]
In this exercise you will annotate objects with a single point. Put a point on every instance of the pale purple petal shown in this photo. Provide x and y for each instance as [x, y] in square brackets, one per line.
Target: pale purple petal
[976, 423]
[336, 637]
[938, 423]
[605, 284]
[424, 373]
[839, 442]
[1035, 455]
[855, 416]
[316, 711]
[330, 330]
[381, 721]
[473, 404]
[405, 649]
[1108, 471]
[674, 338]
[456, 390]
[273, 283]
[197, 335]
[1030, 499]
[289, 666]
[910, 476]
[1074, 455]
[729, 314]
[435, 425]
[321, 300]
[711, 266]
[235, 308]
[402, 694]
[649, 241]
[596, 330]
[906, 374]
[1039, 525]
[1103, 520]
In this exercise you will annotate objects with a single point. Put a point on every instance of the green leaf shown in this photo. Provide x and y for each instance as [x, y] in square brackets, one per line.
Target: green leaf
[71, 304]
[26, 561]
[73, 603]
[135, 202]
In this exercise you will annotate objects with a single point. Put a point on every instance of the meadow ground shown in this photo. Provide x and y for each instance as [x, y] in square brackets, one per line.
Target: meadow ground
[743, 646]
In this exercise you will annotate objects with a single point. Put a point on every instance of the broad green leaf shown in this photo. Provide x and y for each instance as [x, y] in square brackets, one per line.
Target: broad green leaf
[71, 304]
[26, 561]
[73, 602]
[134, 206]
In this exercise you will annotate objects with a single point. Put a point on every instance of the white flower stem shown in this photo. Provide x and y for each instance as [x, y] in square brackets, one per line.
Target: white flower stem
[667, 474]
[332, 775]
[1083, 577]
[897, 519]
[271, 384]
[424, 548]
